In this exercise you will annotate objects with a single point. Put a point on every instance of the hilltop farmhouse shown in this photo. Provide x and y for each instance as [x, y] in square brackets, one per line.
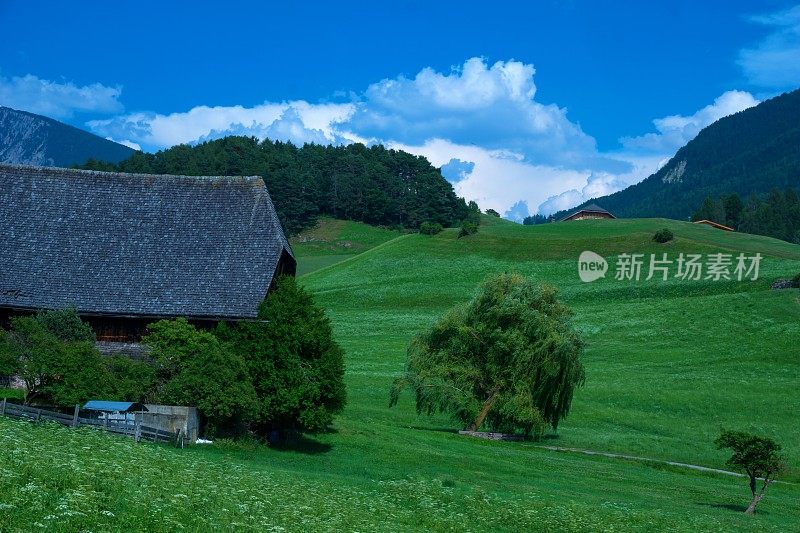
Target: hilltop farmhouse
[588, 212]
[128, 249]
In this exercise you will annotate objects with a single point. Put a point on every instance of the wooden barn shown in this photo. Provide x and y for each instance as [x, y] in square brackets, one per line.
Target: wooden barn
[128, 249]
[588, 212]
[714, 225]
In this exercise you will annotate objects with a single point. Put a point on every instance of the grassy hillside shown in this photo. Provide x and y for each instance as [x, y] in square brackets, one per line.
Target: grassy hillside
[668, 364]
[332, 241]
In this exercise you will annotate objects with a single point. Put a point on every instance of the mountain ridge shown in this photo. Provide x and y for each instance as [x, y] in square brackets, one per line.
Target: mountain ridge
[750, 152]
[30, 139]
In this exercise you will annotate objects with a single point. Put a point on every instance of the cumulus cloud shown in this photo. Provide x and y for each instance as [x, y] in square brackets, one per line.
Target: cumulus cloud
[596, 185]
[500, 178]
[775, 61]
[298, 122]
[57, 100]
[492, 106]
[675, 131]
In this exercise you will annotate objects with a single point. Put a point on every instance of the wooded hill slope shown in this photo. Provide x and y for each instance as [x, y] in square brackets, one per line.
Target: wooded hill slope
[750, 152]
[367, 184]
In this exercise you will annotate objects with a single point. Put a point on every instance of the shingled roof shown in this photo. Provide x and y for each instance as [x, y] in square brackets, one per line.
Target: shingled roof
[591, 208]
[137, 244]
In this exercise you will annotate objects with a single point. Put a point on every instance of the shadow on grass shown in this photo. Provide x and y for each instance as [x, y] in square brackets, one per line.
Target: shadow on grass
[729, 506]
[437, 430]
[300, 443]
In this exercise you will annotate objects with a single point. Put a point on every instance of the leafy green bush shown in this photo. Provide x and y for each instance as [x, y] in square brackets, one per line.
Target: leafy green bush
[195, 368]
[77, 376]
[663, 235]
[430, 228]
[473, 213]
[66, 325]
[467, 228]
[796, 281]
[296, 367]
[9, 365]
[130, 380]
[493, 213]
[55, 358]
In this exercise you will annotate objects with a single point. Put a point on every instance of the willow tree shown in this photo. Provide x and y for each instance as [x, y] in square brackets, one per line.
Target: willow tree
[509, 359]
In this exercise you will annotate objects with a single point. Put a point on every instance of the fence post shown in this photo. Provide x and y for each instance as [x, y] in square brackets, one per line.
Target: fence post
[3, 408]
[38, 414]
[75, 416]
[137, 436]
[105, 422]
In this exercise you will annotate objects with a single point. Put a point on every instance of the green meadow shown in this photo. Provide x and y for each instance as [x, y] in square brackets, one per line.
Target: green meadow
[332, 241]
[668, 364]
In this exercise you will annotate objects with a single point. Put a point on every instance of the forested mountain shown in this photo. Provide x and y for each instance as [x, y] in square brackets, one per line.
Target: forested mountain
[777, 215]
[354, 182]
[29, 139]
[751, 152]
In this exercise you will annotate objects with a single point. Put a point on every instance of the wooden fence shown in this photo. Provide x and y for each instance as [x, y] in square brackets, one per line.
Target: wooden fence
[135, 430]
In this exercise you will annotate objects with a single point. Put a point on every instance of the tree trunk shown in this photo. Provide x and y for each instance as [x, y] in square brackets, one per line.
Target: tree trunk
[751, 509]
[487, 406]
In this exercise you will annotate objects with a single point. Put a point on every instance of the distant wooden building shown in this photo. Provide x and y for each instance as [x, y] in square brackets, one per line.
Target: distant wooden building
[588, 212]
[128, 249]
[714, 225]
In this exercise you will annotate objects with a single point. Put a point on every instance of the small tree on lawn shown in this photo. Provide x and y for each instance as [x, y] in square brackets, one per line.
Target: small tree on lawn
[758, 457]
[510, 358]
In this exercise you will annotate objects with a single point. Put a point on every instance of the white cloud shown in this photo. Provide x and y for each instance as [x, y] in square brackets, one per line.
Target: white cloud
[674, 131]
[775, 61]
[475, 103]
[57, 100]
[297, 121]
[499, 178]
[126, 142]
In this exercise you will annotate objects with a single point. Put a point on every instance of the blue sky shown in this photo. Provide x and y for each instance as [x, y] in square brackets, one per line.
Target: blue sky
[534, 106]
